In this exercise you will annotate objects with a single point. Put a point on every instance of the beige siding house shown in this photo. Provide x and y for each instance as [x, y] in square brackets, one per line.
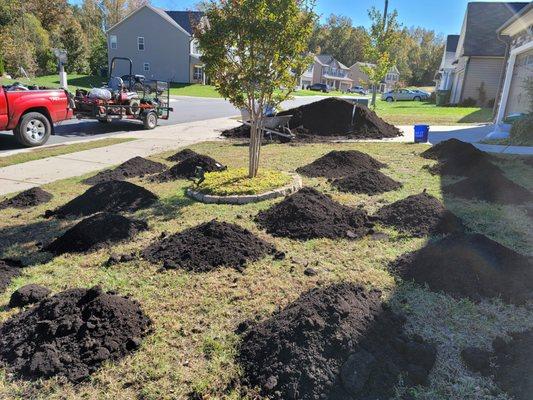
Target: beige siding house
[360, 77]
[446, 73]
[479, 58]
[326, 69]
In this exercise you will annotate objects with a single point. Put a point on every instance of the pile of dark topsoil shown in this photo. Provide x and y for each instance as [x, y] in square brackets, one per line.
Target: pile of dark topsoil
[29, 294]
[453, 149]
[367, 181]
[309, 214]
[340, 163]
[419, 215]
[331, 118]
[134, 167]
[509, 363]
[97, 231]
[28, 198]
[182, 155]
[472, 266]
[208, 246]
[8, 270]
[111, 196]
[71, 334]
[334, 343]
[187, 168]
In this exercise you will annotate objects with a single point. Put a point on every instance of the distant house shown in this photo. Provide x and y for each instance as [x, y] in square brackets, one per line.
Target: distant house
[480, 55]
[160, 43]
[445, 75]
[392, 79]
[326, 69]
[360, 77]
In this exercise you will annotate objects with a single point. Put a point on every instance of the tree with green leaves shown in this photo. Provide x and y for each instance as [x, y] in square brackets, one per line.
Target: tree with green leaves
[254, 52]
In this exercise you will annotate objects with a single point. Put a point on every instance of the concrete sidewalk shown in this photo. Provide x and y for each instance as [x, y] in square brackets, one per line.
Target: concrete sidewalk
[23, 176]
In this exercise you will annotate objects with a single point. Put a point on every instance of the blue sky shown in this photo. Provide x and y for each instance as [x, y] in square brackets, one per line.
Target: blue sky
[444, 16]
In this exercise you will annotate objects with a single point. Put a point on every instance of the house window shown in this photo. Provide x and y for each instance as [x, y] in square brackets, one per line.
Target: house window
[529, 60]
[146, 66]
[140, 43]
[198, 74]
[113, 41]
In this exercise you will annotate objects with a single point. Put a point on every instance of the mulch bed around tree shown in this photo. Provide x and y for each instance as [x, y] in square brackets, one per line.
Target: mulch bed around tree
[28, 198]
[309, 214]
[182, 155]
[509, 363]
[472, 266]
[208, 246]
[419, 215]
[187, 168]
[368, 181]
[71, 334]
[334, 343]
[134, 167]
[340, 163]
[95, 232]
[8, 271]
[27, 295]
[111, 196]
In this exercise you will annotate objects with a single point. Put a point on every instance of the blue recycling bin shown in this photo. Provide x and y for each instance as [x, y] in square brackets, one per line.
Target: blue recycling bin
[421, 133]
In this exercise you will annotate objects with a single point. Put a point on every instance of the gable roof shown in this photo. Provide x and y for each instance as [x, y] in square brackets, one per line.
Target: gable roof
[186, 19]
[451, 43]
[517, 17]
[327, 59]
[482, 22]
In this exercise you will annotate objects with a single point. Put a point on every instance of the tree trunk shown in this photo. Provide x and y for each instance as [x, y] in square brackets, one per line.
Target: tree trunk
[374, 93]
[254, 149]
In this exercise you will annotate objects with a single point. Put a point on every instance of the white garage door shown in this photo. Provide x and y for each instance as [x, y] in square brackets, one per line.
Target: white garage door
[518, 101]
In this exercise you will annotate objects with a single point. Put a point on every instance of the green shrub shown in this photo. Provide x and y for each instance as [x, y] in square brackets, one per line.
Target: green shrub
[2, 70]
[522, 131]
[468, 102]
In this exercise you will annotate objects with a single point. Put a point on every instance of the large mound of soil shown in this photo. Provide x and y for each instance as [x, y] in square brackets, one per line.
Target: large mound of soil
[187, 168]
[368, 181]
[111, 196]
[493, 188]
[71, 334]
[28, 198]
[470, 265]
[337, 164]
[208, 246]
[419, 215]
[468, 167]
[454, 149]
[97, 231]
[509, 364]
[309, 214]
[134, 167]
[182, 155]
[28, 294]
[8, 271]
[334, 343]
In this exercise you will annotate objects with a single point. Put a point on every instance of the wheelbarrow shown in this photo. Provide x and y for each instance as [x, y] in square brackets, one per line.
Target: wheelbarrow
[274, 125]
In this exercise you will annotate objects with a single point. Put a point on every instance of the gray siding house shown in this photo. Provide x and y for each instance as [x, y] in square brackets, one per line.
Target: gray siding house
[160, 44]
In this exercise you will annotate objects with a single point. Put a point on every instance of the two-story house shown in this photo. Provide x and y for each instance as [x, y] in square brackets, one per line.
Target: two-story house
[445, 75]
[326, 69]
[160, 43]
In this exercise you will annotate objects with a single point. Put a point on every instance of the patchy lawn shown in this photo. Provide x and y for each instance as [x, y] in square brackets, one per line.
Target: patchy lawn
[191, 352]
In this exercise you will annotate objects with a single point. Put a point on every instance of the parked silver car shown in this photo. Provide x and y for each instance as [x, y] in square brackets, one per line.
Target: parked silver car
[403, 94]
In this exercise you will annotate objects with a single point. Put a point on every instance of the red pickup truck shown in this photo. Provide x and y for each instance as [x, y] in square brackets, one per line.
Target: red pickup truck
[31, 114]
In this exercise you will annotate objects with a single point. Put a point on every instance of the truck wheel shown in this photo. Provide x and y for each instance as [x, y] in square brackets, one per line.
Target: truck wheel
[150, 120]
[33, 129]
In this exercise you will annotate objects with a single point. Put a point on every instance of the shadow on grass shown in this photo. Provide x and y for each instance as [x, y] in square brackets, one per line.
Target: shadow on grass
[481, 115]
[167, 208]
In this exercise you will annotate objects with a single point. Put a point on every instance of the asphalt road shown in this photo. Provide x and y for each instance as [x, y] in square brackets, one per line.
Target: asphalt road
[186, 109]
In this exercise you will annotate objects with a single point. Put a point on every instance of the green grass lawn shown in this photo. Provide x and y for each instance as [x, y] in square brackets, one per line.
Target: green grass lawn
[52, 81]
[191, 352]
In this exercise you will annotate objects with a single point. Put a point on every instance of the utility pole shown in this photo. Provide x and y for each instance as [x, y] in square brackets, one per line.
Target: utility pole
[385, 15]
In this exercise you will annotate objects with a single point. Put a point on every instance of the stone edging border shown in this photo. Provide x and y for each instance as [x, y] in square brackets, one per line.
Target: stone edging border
[249, 198]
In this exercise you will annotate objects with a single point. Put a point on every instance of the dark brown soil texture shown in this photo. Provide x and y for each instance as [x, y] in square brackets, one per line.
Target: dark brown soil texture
[419, 215]
[27, 295]
[95, 232]
[71, 334]
[8, 271]
[454, 149]
[472, 266]
[469, 168]
[334, 343]
[28, 198]
[369, 182]
[338, 164]
[208, 246]
[111, 196]
[182, 155]
[509, 364]
[309, 214]
[187, 168]
[134, 167]
[493, 188]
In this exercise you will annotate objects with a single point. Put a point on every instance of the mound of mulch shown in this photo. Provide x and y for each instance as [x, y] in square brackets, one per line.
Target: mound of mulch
[370, 182]
[187, 168]
[419, 215]
[493, 188]
[29, 294]
[309, 214]
[454, 149]
[134, 167]
[182, 155]
[338, 164]
[111, 196]
[208, 246]
[468, 167]
[95, 232]
[28, 198]
[71, 334]
[472, 266]
[509, 364]
[335, 343]
[8, 271]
